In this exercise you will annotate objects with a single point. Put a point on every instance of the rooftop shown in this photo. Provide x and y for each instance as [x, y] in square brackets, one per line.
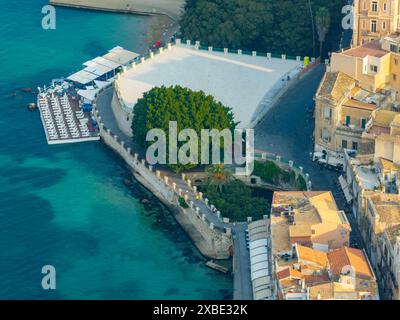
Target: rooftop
[368, 176]
[309, 255]
[341, 258]
[241, 82]
[335, 85]
[383, 118]
[372, 48]
[307, 211]
[387, 207]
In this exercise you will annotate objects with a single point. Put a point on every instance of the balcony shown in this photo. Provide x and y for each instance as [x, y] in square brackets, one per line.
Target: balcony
[350, 129]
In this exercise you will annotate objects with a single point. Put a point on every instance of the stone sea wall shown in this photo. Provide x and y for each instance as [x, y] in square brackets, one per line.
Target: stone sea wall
[212, 242]
[171, 8]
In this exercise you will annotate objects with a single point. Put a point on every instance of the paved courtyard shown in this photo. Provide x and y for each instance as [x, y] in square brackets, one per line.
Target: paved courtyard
[241, 82]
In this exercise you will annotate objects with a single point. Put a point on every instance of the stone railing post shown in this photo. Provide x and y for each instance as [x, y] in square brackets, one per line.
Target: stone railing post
[158, 174]
[210, 49]
[283, 57]
[254, 53]
[264, 156]
[240, 52]
[249, 219]
[226, 50]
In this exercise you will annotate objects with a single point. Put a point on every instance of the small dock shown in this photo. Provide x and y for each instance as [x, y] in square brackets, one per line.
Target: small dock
[211, 264]
[63, 119]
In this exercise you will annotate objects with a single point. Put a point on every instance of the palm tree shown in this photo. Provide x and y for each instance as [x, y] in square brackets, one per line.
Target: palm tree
[218, 176]
[312, 25]
[323, 21]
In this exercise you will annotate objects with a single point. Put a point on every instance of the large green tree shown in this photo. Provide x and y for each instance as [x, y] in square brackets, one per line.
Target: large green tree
[190, 109]
[278, 26]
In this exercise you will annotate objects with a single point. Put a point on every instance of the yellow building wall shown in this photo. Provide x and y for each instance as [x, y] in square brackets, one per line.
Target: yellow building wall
[328, 233]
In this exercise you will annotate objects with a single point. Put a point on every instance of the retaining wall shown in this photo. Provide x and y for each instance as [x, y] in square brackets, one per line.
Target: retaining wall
[212, 242]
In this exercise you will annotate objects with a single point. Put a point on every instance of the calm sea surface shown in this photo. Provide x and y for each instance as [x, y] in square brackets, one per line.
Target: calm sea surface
[67, 205]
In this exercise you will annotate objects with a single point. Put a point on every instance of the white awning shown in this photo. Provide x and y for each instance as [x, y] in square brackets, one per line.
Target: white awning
[120, 55]
[97, 69]
[104, 62]
[83, 77]
[88, 94]
[345, 189]
[101, 84]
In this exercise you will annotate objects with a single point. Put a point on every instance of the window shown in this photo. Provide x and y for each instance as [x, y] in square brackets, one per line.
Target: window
[383, 25]
[363, 123]
[394, 48]
[396, 61]
[355, 145]
[373, 26]
[373, 68]
[327, 113]
[384, 6]
[394, 77]
[344, 144]
[348, 120]
[325, 135]
[374, 6]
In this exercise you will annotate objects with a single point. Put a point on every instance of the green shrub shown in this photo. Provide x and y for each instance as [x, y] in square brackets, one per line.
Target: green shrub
[236, 201]
[183, 203]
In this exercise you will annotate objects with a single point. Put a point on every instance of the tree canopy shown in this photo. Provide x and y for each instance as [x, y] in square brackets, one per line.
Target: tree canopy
[283, 26]
[190, 109]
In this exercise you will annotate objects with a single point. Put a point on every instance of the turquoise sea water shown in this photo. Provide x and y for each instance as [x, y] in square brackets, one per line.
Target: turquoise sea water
[67, 205]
